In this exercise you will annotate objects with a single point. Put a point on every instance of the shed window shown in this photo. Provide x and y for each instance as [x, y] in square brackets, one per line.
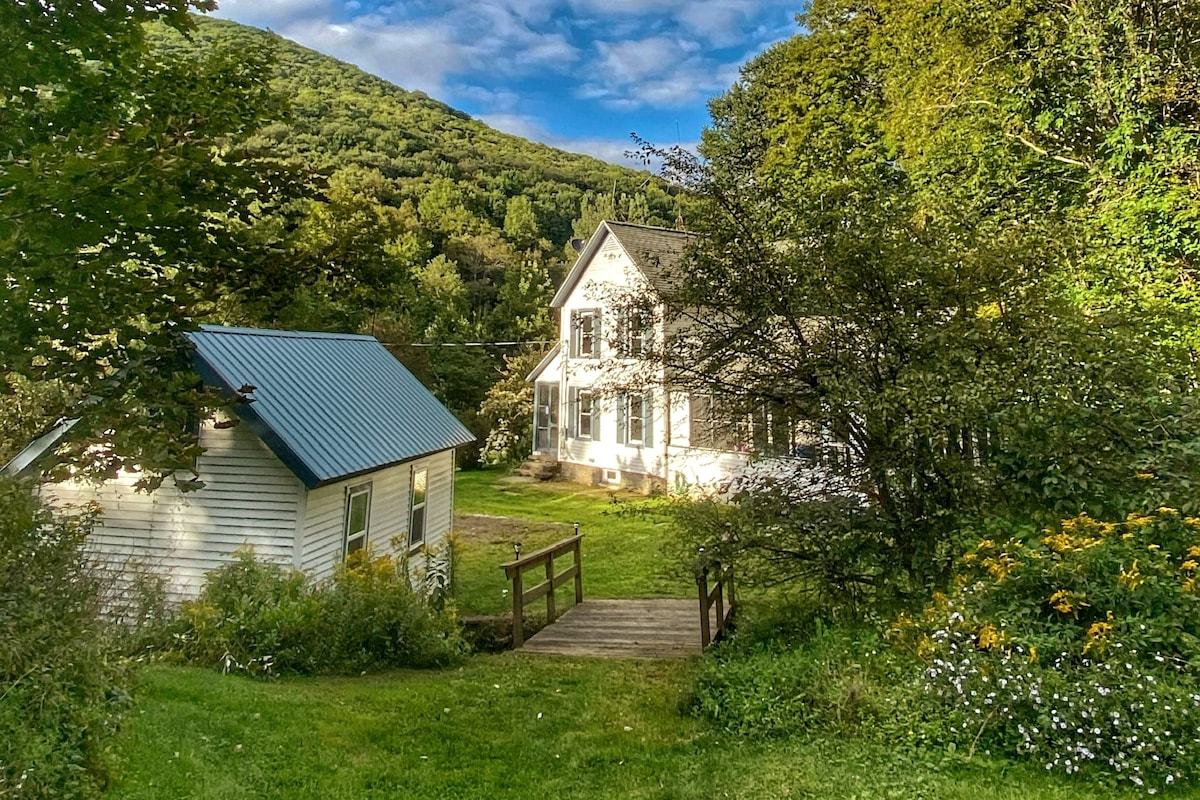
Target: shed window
[416, 525]
[358, 518]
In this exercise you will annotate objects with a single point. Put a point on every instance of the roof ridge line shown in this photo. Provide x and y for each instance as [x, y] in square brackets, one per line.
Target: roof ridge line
[236, 330]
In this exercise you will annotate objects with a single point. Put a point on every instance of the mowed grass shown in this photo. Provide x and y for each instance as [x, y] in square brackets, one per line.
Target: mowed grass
[625, 553]
[504, 726]
[513, 725]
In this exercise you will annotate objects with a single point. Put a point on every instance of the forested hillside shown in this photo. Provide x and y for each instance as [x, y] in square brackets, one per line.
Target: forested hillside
[395, 215]
[428, 228]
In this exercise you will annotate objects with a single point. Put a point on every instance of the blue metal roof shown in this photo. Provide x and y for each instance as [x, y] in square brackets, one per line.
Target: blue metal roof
[330, 405]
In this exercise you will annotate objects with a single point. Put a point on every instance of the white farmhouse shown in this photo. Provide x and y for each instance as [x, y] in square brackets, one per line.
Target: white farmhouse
[604, 409]
[336, 448]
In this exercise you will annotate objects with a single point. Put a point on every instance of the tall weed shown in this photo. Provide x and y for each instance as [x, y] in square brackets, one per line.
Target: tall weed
[61, 691]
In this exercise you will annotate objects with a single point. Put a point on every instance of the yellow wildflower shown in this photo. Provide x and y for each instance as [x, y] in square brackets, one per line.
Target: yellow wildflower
[1066, 602]
[1167, 511]
[1187, 566]
[1145, 476]
[990, 637]
[999, 567]
[1097, 636]
[1059, 542]
[1131, 577]
[985, 544]
[1194, 551]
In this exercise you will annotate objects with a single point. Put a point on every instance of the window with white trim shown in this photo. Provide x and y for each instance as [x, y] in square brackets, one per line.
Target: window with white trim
[634, 418]
[634, 329]
[585, 333]
[585, 414]
[358, 519]
[418, 491]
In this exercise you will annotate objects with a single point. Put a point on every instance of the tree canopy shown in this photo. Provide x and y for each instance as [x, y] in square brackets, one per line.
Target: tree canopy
[126, 203]
[960, 239]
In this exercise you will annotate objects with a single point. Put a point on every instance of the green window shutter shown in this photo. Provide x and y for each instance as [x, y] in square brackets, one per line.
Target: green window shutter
[648, 418]
[622, 422]
[573, 412]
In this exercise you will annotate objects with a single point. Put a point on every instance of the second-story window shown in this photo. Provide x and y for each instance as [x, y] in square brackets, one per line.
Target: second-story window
[634, 328]
[585, 333]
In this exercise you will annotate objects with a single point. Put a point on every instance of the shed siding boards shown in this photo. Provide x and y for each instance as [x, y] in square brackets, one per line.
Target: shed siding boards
[324, 524]
[249, 498]
[318, 413]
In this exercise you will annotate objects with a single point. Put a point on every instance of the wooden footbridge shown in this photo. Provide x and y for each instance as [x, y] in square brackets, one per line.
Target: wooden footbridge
[647, 628]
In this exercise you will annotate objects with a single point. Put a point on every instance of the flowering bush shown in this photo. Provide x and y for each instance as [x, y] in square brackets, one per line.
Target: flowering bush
[1078, 649]
[266, 619]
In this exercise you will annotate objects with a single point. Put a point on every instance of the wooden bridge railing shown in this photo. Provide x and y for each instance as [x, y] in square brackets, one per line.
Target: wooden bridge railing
[544, 558]
[722, 576]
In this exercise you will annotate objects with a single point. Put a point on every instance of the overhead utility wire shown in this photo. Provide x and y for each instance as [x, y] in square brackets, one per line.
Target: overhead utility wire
[464, 344]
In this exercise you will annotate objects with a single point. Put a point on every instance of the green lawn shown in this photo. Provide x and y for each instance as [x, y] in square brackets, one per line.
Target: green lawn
[514, 725]
[624, 554]
[502, 726]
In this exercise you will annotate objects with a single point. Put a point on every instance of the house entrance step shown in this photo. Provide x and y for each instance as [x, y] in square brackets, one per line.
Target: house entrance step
[542, 469]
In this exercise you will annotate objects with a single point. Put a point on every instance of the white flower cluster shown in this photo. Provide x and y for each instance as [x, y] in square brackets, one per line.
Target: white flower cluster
[797, 480]
[1107, 714]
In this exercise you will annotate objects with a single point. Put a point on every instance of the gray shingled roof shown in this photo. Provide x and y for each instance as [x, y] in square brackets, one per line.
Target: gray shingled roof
[329, 405]
[657, 253]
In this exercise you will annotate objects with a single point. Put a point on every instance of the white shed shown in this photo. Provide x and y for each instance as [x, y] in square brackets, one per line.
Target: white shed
[334, 447]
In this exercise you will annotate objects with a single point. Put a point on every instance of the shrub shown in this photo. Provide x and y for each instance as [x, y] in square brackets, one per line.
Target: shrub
[60, 684]
[1078, 649]
[771, 685]
[835, 550]
[253, 616]
[372, 617]
[266, 619]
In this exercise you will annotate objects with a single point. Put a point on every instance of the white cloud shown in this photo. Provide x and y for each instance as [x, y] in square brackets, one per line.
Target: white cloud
[275, 14]
[502, 58]
[615, 151]
[656, 72]
[414, 57]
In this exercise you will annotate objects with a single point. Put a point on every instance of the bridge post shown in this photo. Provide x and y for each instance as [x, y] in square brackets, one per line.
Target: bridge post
[705, 629]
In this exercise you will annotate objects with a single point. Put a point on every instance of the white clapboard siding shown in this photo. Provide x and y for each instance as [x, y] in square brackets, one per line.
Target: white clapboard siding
[249, 498]
[610, 273]
[323, 539]
[695, 466]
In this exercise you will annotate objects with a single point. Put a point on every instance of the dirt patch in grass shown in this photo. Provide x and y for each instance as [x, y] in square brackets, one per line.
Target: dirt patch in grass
[487, 529]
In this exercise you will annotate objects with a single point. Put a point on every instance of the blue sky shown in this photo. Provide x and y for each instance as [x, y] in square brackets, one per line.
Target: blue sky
[576, 74]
